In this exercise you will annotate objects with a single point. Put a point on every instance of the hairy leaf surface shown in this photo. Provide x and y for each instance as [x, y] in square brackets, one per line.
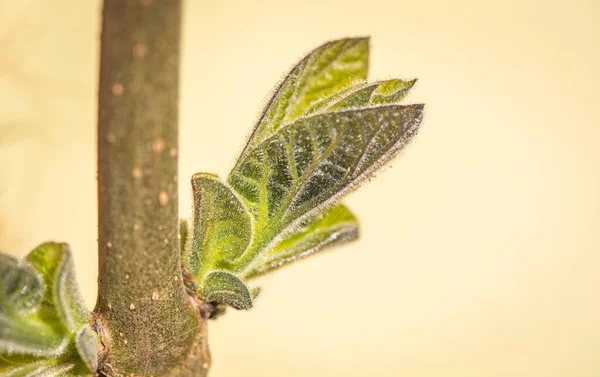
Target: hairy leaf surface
[336, 227]
[225, 287]
[380, 93]
[321, 75]
[324, 131]
[21, 328]
[222, 227]
[55, 264]
[310, 164]
[391, 91]
[44, 327]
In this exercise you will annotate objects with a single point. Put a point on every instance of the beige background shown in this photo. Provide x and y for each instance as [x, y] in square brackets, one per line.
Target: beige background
[480, 250]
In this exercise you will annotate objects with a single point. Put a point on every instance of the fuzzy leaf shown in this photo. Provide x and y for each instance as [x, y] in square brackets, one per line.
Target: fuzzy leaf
[21, 328]
[224, 287]
[324, 131]
[380, 93]
[391, 91]
[55, 263]
[321, 75]
[40, 368]
[310, 164]
[21, 287]
[44, 327]
[358, 98]
[336, 227]
[222, 227]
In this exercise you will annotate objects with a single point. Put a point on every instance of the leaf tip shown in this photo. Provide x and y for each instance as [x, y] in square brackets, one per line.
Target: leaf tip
[198, 177]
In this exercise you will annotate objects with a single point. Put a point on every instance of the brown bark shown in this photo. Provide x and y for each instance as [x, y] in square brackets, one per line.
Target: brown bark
[149, 325]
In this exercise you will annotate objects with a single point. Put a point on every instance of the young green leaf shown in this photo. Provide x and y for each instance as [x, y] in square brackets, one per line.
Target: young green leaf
[380, 93]
[21, 287]
[222, 230]
[22, 330]
[310, 164]
[324, 131]
[55, 263]
[224, 287]
[336, 227]
[391, 91]
[222, 227]
[358, 98]
[322, 74]
[44, 327]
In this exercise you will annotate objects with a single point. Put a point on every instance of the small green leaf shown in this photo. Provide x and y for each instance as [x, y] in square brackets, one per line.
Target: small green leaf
[359, 98]
[39, 368]
[380, 93]
[22, 329]
[391, 91]
[226, 288]
[310, 164]
[222, 227]
[336, 227]
[324, 132]
[322, 74]
[44, 327]
[222, 231]
[21, 287]
[54, 262]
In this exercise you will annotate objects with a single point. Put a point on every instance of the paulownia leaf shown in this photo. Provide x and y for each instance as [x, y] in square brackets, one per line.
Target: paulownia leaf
[357, 98]
[336, 227]
[55, 263]
[322, 74]
[21, 328]
[380, 93]
[222, 231]
[21, 287]
[222, 227]
[311, 163]
[324, 131]
[391, 91]
[224, 287]
[44, 329]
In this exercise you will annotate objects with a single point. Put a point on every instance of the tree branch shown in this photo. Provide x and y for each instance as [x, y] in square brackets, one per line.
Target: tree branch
[148, 324]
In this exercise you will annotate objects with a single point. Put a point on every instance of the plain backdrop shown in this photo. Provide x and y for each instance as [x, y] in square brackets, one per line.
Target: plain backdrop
[480, 247]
